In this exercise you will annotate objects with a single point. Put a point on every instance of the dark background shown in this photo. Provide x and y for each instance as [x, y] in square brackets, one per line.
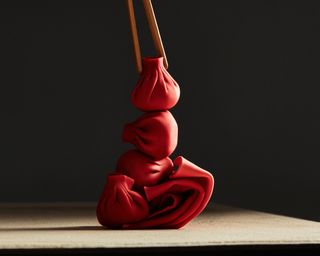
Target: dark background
[249, 109]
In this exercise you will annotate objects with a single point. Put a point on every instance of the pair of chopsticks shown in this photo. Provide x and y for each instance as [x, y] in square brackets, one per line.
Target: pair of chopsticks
[155, 33]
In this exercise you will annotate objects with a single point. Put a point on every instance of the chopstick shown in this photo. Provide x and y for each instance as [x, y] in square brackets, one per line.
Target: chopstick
[154, 29]
[134, 34]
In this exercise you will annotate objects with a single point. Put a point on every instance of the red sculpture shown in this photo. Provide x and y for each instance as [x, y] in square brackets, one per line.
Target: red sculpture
[148, 190]
[156, 89]
[154, 133]
[142, 169]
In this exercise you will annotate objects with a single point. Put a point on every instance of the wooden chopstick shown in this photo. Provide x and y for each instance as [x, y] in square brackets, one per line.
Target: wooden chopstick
[154, 29]
[134, 34]
[155, 33]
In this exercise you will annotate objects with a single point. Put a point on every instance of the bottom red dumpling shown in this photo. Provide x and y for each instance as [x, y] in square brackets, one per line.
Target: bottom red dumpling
[119, 204]
[170, 204]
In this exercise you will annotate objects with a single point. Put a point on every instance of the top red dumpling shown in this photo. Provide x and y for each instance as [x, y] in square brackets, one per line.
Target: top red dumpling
[156, 89]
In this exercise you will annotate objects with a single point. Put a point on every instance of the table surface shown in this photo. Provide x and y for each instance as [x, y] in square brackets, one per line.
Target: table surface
[74, 226]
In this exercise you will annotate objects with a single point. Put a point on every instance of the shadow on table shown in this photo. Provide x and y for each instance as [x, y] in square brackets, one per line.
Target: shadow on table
[75, 228]
[216, 210]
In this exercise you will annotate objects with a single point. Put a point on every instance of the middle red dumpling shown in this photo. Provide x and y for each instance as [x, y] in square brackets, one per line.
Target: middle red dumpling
[142, 169]
[154, 133]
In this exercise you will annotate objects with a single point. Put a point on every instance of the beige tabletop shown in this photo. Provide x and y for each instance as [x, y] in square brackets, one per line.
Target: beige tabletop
[74, 225]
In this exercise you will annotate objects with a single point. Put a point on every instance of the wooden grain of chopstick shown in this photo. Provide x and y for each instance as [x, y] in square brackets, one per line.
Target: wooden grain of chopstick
[154, 29]
[155, 33]
[134, 34]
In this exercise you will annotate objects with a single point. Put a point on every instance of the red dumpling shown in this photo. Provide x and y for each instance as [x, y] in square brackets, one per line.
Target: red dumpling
[155, 134]
[169, 204]
[119, 204]
[142, 169]
[156, 89]
[175, 202]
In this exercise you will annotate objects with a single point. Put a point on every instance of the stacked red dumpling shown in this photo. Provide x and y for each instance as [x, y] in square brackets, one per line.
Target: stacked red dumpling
[148, 189]
[156, 90]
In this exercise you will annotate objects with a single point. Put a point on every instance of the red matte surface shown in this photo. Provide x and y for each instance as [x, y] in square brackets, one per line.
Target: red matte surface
[154, 133]
[148, 190]
[156, 89]
[142, 169]
[170, 204]
[120, 204]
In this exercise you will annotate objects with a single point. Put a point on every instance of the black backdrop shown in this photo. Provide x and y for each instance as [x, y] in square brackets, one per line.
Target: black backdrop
[249, 109]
